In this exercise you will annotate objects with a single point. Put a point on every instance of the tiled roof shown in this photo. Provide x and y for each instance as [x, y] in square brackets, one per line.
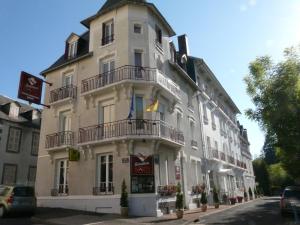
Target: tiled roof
[83, 49]
[4, 101]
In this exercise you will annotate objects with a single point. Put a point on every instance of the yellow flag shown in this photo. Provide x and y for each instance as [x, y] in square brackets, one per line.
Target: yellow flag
[153, 107]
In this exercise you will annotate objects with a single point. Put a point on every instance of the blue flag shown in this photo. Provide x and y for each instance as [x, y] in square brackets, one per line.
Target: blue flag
[131, 110]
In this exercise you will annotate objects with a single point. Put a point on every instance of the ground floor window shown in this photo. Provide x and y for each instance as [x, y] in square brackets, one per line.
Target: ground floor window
[142, 184]
[62, 174]
[104, 174]
[9, 175]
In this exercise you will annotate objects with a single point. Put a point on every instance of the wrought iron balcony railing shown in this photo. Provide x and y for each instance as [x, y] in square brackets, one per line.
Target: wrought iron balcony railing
[64, 138]
[104, 188]
[69, 91]
[134, 73]
[135, 127]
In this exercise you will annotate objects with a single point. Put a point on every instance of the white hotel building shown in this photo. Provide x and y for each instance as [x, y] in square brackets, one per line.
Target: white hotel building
[120, 65]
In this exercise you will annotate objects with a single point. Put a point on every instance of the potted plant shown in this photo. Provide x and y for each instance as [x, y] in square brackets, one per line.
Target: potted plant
[232, 200]
[240, 199]
[245, 196]
[250, 194]
[124, 200]
[203, 201]
[179, 202]
[216, 198]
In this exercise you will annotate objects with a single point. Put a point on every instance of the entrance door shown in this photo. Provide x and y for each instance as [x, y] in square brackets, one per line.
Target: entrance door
[105, 174]
[62, 176]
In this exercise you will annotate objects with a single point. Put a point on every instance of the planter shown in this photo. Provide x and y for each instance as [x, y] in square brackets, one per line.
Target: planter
[240, 199]
[124, 211]
[204, 208]
[217, 205]
[179, 213]
[232, 201]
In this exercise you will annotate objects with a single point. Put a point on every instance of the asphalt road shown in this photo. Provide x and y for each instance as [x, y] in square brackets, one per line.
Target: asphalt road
[260, 212]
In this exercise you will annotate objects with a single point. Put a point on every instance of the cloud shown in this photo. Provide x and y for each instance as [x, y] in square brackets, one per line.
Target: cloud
[245, 6]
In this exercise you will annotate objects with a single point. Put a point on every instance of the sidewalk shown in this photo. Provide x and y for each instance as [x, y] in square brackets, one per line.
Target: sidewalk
[51, 216]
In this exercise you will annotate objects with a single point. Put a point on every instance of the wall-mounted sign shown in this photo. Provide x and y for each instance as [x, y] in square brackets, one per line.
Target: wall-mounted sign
[74, 155]
[177, 172]
[141, 165]
[30, 88]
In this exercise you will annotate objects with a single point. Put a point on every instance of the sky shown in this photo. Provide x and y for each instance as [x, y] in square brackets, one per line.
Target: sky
[227, 34]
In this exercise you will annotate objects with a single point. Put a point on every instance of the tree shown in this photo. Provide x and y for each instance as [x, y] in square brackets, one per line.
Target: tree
[262, 175]
[269, 151]
[275, 92]
[279, 178]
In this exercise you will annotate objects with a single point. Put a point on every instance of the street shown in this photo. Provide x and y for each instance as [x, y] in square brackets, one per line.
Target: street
[259, 212]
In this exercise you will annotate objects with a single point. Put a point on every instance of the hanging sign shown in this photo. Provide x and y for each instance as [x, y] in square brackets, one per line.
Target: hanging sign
[30, 88]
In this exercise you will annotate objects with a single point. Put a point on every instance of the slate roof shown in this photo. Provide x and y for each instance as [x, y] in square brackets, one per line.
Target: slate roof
[83, 49]
[23, 113]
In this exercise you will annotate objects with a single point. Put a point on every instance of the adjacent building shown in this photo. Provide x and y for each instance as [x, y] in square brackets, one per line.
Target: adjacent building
[19, 142]
[126, 105]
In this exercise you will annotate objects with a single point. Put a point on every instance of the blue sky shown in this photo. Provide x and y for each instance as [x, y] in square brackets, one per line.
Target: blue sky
[227, 34]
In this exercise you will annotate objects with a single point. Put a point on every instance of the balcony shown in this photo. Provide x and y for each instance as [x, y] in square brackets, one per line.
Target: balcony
[104, 189]
[131, 129]
[133, 74]
[59, 140]
[64, 93]
[194, 144]
[215, 153]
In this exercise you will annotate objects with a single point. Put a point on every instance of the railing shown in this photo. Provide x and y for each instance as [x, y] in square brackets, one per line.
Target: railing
[135, 127]
[230, 159]
[60, 139]
[222, 156]
[104, 189]
[215, 153]
[107, 39]
[136, 73]
[194, 143]
[60, 190]
[68, 91]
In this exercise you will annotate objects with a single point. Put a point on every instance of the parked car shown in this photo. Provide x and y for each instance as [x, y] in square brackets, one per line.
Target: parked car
[290, 200]
[17, 199]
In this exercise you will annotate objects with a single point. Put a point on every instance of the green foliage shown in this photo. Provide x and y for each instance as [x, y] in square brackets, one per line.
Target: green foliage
[279, 178]
[275, 92]
[269, 150]
[179, 198]
[203, 199]
[124, 195]
[262, 175]
[216, 196]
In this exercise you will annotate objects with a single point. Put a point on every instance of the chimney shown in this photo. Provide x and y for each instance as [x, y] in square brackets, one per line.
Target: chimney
[183, 45]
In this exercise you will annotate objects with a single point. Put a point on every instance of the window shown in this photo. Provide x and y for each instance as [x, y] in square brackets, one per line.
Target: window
[14, 110]
[213, 121]
[14, 140]
[137, 28]
[138, 64]
[35, 143]
[72, 51]
[158, 36]
[67, 80]
[65, 121]
[216, 145]
[106, 117]
[105, 173]
[139, 109]
[62, 174]
[107, 70]
[208, 144]
[9, 176]
[31, 174]
[167, 171]
[192, 127]
[108, 32]
[205, 114]
[142, 184]
[179, 118]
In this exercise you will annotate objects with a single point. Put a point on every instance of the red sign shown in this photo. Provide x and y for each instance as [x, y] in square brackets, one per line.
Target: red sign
[141, 165]
[30, 88]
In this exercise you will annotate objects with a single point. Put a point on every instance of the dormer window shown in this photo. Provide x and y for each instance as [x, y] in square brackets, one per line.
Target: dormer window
[14, 110]
[72, 51]
[158, 35]
[107, 32]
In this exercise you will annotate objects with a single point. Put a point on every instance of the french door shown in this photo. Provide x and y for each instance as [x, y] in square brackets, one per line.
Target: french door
[62, 176]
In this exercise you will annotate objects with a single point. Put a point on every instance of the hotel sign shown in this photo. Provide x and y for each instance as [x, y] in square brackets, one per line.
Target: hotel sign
[30, 88]
[141, 165]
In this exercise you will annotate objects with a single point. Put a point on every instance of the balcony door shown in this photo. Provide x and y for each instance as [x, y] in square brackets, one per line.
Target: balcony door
[62, 167]
[67, 80]
[107, 71]
[138, 65]
[64, 136]
[107, 126]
